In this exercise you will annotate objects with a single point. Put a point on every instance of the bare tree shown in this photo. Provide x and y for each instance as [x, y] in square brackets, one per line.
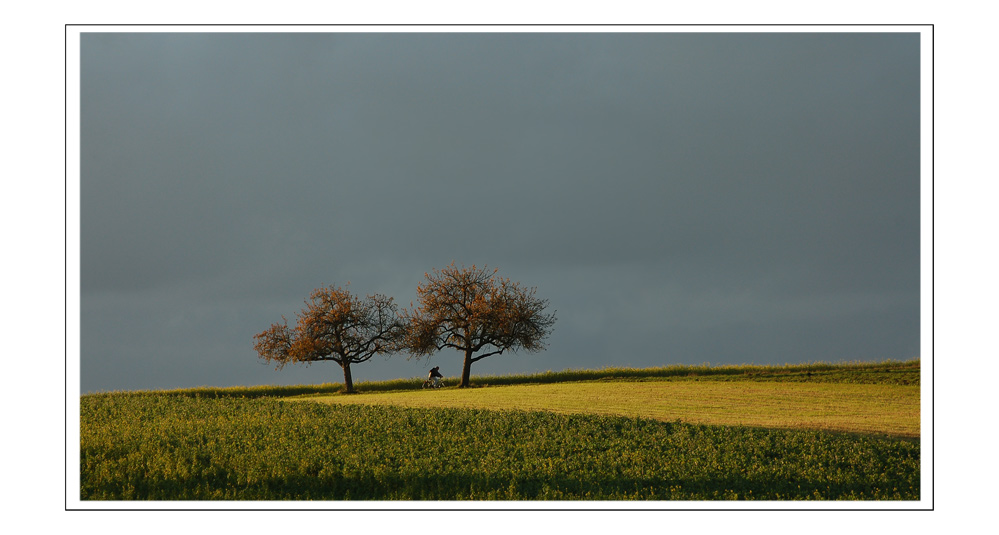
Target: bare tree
[477, 313]
[334, 325]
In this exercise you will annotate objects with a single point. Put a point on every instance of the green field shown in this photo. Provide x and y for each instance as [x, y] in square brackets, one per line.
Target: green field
[717, 434]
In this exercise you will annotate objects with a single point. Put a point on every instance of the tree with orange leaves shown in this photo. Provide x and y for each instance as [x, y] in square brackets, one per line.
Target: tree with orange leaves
[336, 326]
[477, 313]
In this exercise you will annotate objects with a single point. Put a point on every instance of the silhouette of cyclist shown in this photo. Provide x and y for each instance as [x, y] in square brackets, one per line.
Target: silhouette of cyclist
[434, 372]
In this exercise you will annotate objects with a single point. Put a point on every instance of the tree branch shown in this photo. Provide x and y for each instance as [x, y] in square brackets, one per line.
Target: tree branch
[484, 355]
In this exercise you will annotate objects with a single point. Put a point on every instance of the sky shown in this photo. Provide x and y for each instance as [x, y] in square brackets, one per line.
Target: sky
[678, 198]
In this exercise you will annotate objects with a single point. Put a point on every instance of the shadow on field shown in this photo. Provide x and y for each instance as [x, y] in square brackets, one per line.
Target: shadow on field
[225, 485]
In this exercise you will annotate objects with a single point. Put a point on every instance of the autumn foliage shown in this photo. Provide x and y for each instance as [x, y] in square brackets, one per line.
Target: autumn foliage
[336, 326]
[477, 313]
[471, 310]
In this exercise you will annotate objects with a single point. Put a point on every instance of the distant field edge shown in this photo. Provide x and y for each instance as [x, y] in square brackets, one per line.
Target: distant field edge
[905, 372]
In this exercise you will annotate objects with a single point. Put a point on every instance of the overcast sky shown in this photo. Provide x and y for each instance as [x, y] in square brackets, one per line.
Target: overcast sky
[678, 198]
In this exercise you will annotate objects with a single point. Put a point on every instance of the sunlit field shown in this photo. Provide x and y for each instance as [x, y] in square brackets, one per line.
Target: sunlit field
[771, 435]
[862, 408]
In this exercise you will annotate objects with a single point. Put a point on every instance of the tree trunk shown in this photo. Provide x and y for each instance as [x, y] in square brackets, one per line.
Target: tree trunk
[466, 369]
[348, 381]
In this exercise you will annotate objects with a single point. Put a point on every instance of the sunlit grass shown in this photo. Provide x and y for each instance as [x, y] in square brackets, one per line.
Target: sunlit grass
[859, 408]
[142, 447]
[610, 434]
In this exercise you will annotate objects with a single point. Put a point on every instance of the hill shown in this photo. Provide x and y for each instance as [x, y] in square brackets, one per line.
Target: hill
[241, 444]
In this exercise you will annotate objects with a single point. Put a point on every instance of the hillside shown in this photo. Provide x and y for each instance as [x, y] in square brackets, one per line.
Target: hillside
[257, 444]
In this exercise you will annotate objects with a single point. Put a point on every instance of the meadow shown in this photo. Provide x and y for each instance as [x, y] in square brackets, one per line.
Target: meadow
[860, 408]
[310, 443]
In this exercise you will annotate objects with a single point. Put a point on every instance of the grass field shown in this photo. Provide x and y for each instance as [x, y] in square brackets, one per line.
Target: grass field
[244, 444]
[861, 408]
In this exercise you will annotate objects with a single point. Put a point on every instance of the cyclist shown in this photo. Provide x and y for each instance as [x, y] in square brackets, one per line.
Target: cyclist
[435, 372]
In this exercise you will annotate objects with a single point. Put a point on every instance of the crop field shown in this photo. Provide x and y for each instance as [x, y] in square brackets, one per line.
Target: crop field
[233, 446]
[862, 408]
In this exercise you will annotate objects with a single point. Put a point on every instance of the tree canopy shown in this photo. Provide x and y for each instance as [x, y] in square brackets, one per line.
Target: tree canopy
[477, 313]
[336, 326]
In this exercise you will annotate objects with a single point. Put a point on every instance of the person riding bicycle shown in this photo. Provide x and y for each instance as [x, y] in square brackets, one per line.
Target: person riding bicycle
[434, 373]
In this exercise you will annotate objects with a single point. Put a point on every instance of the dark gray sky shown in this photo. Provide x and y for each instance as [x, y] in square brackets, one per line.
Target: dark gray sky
[678, 198]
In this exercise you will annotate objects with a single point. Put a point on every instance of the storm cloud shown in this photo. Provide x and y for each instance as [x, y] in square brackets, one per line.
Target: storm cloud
[677, 197]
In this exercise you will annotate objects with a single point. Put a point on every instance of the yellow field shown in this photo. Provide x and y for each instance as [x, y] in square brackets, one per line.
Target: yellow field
[857, 408]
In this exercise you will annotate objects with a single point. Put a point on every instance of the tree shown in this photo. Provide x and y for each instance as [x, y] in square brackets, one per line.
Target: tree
[337, 326]
[474, 311]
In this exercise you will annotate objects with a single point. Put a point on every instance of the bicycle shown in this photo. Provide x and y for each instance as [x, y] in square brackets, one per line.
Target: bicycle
[437, 382]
